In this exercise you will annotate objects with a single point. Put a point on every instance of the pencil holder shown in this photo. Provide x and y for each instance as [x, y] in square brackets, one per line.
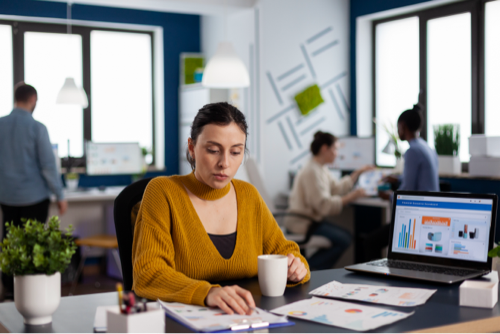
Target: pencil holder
[151, 321]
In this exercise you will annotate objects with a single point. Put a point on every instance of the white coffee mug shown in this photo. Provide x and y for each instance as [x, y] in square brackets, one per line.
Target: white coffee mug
[273, 272]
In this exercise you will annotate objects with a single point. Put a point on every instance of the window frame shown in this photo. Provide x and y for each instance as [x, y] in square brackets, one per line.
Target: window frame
[18, 30]
[477, 10]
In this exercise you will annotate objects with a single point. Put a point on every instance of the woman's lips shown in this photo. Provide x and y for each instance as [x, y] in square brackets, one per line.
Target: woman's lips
[220, 177]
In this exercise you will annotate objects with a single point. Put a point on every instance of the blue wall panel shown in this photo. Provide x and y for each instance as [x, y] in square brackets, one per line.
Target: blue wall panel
[181, 33]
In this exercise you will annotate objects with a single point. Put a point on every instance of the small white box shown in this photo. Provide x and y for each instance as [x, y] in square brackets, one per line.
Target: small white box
[481, 145]
[152, 321]
[482, 292]
[484, 166]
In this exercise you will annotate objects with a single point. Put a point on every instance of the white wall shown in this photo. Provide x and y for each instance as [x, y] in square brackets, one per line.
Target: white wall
[273, 39]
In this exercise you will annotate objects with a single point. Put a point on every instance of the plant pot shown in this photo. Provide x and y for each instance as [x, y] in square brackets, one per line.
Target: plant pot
[37, 297]
[449, 164]
[400, 165]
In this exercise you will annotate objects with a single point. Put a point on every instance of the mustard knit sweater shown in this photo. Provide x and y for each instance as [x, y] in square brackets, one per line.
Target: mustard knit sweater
[173, 257]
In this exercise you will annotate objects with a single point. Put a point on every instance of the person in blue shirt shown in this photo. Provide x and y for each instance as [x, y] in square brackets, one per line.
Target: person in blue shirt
[420, 173]
[28, 172]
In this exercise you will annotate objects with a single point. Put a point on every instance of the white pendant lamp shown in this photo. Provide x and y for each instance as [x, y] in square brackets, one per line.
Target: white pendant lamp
[225, 69]
[71, 94]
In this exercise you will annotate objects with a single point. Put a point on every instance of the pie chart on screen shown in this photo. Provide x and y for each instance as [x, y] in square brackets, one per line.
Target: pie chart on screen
[353, 310]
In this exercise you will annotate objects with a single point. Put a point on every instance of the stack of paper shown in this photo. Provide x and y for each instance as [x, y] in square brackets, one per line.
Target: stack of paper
[205, 319]
[341, 314]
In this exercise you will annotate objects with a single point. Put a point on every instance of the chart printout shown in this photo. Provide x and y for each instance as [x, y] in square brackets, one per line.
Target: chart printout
[351, 316]
[387, 295]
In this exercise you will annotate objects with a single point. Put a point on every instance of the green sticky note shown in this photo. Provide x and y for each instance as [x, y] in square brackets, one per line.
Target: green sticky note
[190, 66]
[309, 99]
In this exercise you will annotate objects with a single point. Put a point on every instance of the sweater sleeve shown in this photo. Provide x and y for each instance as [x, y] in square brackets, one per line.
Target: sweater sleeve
[274, 242]
[342, 186]
[153, 253]
[319, 197]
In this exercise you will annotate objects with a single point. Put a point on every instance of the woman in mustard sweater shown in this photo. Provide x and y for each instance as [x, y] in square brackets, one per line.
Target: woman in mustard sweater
[206, 226]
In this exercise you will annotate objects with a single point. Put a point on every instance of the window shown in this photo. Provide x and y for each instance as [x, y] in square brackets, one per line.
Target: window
[114, 66]
[449, 76]
[492, 68]
[48, 59]
[6, 75]
[396, 55]
[445, 70]
[121, 93]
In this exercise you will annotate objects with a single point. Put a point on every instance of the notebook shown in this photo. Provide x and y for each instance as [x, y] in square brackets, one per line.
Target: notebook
[439, 237]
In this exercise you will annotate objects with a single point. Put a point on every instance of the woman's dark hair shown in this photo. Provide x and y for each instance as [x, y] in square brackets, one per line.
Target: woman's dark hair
[320, 139]
[412, 118]
[220, 113]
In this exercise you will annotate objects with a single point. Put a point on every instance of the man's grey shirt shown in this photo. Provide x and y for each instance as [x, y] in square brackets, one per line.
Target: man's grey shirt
[28, 171]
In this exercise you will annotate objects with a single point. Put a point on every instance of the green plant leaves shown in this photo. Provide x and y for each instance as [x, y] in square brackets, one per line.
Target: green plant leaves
[494, 252]
[447, 139]
[36, 248]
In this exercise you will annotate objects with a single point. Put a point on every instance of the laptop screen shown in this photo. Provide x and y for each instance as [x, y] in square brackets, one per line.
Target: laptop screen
[453, 228]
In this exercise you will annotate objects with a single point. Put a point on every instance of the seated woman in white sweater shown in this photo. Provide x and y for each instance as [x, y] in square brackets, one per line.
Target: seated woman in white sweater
[316, 194]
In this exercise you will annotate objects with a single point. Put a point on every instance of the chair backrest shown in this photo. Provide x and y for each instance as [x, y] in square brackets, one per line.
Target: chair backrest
[256, 179]
[124, 205]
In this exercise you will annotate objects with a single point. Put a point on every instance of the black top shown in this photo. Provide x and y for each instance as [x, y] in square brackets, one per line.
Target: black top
[224, 244]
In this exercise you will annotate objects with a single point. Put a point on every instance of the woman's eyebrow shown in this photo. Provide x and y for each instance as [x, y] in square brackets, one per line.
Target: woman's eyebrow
[216, 143]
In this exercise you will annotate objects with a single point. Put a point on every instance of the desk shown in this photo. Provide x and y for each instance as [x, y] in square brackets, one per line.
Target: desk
[76, 314]
[90, 212]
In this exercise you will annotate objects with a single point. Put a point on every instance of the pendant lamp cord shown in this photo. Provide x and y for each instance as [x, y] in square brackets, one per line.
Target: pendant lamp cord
[68, 15]
[225, 21]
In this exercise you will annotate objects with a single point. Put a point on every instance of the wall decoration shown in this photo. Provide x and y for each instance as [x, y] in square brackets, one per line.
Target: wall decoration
[191, 68]
[305, 101]
[309, 99]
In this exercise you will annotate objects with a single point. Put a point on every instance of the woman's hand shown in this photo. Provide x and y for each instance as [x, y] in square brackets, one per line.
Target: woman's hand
[231, 299]
[355, 175]
[296, 269]
[353, 195]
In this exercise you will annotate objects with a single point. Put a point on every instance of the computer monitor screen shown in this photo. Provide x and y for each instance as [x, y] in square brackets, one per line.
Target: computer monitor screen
[445, 227]
[354, 153]
[114, 158]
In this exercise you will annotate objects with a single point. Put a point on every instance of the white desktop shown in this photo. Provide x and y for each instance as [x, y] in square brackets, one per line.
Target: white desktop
[113, 158]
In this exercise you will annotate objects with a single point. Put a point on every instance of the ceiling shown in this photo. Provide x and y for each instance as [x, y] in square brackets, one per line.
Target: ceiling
[200, 7]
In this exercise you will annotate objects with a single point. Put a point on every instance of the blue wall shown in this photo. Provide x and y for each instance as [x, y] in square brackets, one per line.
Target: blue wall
[181, 33]
[360, 8]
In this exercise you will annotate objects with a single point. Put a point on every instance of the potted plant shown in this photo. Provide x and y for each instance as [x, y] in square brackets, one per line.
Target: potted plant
[393, 146]
[36, 254]
[447, 144]
[495, 254]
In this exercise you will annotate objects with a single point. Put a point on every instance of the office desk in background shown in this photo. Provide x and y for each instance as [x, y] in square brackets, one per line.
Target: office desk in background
[90, 212]
[440, 314]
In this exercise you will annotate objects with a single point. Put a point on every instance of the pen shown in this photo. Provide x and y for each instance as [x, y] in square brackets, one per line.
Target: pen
[119, 288]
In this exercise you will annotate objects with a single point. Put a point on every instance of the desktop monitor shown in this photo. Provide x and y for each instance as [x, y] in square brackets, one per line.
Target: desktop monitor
[113, 158]
[354, 153]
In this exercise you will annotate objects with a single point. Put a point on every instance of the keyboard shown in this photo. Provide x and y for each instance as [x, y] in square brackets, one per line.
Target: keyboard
[422, 267]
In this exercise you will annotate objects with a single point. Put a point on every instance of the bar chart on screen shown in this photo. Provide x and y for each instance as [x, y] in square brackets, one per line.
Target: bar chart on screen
[407, 237]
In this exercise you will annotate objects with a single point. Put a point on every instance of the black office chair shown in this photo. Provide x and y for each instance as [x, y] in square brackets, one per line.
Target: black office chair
[125, 208]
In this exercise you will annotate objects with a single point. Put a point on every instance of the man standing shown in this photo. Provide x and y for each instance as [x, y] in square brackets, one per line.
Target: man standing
[28, 172]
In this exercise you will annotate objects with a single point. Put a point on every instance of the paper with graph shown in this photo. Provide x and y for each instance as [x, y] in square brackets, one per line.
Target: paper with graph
[370, 180]
[206, 319]
[341, 314]
[387, 295]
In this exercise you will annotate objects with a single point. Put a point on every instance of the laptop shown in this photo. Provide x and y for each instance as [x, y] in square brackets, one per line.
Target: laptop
[438, 237]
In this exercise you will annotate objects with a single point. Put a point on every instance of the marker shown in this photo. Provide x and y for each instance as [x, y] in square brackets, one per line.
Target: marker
[119, 289]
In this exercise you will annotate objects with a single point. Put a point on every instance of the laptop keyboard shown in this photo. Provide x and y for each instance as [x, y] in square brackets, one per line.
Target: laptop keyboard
[422, 267]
